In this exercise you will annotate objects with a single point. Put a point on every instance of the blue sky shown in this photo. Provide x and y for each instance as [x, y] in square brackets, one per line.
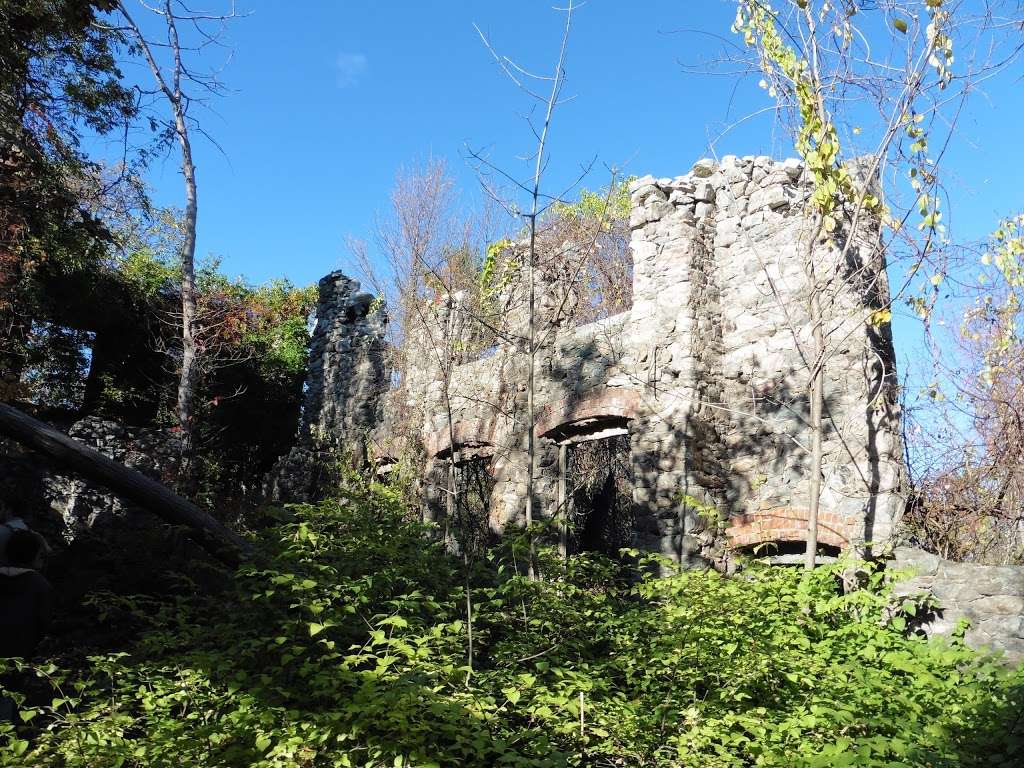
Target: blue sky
[329, 102]
[329, 99]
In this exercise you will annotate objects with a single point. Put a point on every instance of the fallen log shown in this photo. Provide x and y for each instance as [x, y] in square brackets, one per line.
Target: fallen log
[211, 534]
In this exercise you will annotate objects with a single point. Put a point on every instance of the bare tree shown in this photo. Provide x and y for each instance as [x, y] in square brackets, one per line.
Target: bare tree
[457, 305]
[181, 85]
[538, 203]
[827, 64]
[430, 280]
[432, 262]
[968, 427]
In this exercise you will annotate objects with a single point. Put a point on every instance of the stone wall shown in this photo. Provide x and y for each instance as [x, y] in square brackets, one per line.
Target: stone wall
[990, 597]
[708, 372]
[348, 369]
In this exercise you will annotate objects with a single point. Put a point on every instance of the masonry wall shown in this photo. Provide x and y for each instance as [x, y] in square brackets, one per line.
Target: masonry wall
[348, 367]
[346, 380]
[707, 368]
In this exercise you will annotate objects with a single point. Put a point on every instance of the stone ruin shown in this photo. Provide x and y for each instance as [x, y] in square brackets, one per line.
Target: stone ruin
[678, 426]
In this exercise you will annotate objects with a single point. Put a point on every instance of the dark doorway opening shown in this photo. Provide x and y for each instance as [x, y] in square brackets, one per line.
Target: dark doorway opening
[475, 484]
[600, 493]
[463, 519]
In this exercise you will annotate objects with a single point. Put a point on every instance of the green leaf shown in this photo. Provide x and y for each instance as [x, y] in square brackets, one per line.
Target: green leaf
[900, 24]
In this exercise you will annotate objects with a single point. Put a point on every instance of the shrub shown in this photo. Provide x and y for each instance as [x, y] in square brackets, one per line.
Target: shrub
[349, 646]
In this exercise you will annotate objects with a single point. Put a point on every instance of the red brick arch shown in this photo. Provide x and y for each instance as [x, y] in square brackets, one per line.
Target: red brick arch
[611, 401]
[467, 434]
[788, 524]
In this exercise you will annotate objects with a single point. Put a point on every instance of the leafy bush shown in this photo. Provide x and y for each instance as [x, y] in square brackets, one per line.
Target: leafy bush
[349, 646]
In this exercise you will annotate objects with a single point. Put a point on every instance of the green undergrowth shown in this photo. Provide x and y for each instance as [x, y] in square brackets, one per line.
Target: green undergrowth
[349, 646]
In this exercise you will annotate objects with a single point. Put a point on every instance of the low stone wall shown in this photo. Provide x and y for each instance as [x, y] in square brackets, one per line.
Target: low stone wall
[82, 504]
[990, 597]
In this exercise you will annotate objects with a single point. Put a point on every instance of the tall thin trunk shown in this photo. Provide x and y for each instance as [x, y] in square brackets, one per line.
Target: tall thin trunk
[177, 100]
[446, 359]
[469, 619]
[535, 211]
[189, 370]
[563, 502]
[817, 402]
[189, 358]
[531, 416]
[449, 503]
[817, 378]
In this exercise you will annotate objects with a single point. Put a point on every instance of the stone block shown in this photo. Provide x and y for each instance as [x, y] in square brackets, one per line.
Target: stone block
[658, 210]
[704, 192]
[770, 197]
[704, 167]
[793, 168]
[643, 181]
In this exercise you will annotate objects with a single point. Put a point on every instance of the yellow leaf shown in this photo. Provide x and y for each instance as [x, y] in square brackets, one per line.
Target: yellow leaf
[880, 317]
[901, 25]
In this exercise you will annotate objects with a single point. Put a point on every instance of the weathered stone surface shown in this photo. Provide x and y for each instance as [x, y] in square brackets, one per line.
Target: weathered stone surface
[991, 598]
[76, 504]
[770, 197]
[704, 168]
[347, 379]
[704, 192]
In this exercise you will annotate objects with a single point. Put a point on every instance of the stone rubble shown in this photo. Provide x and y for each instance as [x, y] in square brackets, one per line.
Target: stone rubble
[79, 504]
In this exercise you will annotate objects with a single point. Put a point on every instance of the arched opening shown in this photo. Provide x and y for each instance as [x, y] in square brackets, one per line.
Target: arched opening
[790, 552]
[595, 505]
[459, 495]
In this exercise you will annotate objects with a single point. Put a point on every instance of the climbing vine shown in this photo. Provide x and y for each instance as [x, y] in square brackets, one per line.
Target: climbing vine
[817, 141]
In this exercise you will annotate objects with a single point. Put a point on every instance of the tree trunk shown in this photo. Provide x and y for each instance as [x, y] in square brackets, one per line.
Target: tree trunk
[817, 402]
[531, 415]
[134, 486]
[563, 502]
[189, 369]
[178, 101]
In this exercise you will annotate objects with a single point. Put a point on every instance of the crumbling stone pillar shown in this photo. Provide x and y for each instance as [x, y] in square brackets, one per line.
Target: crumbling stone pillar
[348, 375]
